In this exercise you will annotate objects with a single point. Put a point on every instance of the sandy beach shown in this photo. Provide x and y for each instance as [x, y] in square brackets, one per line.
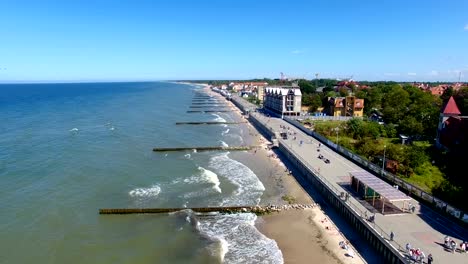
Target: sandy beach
[304, 236]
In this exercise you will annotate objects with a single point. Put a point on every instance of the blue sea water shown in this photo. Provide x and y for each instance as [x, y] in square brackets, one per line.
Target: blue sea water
[67, 150]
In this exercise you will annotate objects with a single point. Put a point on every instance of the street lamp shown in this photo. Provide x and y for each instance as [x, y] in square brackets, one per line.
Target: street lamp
[336, 130]
[383, 162]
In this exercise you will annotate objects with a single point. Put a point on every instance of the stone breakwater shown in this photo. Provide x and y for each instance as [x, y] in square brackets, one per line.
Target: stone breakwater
[277, 208]
[259, 210]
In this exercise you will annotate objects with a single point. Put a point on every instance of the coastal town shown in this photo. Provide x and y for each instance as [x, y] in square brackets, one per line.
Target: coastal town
[373, 194]
[234, 132]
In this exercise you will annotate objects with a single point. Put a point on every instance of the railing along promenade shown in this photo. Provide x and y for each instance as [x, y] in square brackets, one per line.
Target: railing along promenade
[410, 188]
[356, 207]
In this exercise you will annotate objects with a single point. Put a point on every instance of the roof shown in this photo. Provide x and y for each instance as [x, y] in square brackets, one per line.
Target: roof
[378, 185]
[283, 90]
[451, 107]
[359, 103]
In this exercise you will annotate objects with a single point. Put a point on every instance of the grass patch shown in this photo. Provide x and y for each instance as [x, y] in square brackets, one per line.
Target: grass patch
[288, 198]
[426, 176]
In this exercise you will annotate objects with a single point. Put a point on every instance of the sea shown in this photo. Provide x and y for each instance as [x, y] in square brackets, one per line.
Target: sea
[69, 149]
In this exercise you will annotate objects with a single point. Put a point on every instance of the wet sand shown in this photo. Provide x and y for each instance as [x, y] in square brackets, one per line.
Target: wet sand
[304, 236]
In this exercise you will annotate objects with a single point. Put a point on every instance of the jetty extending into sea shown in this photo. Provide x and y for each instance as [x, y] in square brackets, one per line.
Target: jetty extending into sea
[257, 209]
[209, 123]
[239, 148]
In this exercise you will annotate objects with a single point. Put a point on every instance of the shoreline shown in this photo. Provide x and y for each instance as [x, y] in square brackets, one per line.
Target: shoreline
[303, 236]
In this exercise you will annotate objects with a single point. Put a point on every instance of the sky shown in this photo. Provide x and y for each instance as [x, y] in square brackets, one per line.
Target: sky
[418, 40]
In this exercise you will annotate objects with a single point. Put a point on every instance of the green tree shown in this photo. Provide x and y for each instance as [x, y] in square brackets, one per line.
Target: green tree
[316, 102]
[461, 98]
[371, 129]
[343, 91]
[395, 104]
[306, 86]
[410, 126]
[447, 94]
[355, 127]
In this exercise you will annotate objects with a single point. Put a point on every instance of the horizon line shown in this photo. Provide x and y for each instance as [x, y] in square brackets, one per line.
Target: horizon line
[198, 79]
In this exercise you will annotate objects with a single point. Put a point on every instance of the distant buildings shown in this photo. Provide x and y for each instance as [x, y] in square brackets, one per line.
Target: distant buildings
[453, 128]
[345, 106]
[439, 89]
[256, 89]
[284, 100]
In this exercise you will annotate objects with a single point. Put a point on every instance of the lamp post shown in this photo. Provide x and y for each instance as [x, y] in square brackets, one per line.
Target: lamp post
[383, 162]
[336, 130]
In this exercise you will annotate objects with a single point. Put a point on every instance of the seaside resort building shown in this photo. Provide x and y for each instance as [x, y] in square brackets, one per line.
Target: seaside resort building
[345, 106]
[283, 100]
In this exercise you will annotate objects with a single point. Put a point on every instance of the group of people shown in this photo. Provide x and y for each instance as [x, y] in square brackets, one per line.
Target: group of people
[345, 245]
[417, 255]
[452, 245]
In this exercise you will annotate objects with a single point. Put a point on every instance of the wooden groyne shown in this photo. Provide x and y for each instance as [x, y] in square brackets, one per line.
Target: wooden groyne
[210, 123]
[226, 210]
[209, 111]
[205, 103]
[204, 148]
[207, 106]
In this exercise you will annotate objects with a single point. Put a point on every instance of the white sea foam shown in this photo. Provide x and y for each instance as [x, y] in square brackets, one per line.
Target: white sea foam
[74, 129]
[249, 187]
[225, 132]
[236, 136]
[236, 240]
[187, 156]
[218, 118]
[204, 176]
[224, 144]
[152, 191]
[194, 150]
[211, 177]
[112, 128]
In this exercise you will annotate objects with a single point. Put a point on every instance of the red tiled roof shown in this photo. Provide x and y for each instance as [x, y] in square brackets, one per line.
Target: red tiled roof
[451, 107]
[359, 103]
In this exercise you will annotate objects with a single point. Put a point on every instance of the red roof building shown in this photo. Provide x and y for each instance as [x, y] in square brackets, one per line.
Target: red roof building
[453, 128]
[451, 107]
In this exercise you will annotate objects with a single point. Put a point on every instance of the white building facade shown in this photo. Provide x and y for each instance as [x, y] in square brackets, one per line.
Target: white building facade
[284, 100]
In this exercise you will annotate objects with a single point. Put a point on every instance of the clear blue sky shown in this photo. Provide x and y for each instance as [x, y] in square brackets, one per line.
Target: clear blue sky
[150, 40]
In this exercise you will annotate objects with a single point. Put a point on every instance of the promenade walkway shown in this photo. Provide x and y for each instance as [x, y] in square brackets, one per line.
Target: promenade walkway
[424, 229]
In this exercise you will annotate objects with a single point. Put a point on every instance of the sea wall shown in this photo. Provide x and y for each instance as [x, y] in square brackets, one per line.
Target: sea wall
[388, 253]
[435, 203]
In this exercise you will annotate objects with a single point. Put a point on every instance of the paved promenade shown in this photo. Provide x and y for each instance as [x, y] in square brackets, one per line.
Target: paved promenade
[425, 229]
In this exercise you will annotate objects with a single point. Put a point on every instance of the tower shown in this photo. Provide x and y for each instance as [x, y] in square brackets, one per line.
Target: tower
[450, 109]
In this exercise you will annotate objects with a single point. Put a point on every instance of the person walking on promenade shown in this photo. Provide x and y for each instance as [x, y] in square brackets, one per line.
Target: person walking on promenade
[408, 247]
[430, 259]
[392, 235]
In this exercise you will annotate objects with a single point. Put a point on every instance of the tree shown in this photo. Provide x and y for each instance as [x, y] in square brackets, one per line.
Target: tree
[306, 86]
[447, 93]
[395, 104]
[461, 98]
[343, 91]
[355, 127]
[410, 126]
[316, 102]
[371, 129]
